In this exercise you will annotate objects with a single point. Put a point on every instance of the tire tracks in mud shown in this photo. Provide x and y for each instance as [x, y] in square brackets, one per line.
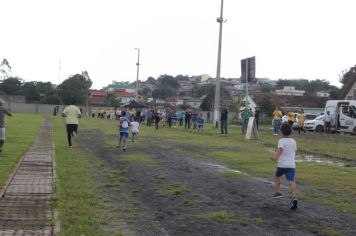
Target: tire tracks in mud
[180, 195]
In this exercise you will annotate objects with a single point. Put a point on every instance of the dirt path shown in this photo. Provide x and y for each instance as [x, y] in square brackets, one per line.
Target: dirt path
[175, 194]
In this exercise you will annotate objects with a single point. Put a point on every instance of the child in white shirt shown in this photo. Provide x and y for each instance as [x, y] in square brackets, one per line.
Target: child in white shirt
[134, 129]
[286, 152]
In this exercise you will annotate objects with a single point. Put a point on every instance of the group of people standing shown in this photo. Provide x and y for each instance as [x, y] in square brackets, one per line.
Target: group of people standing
[165, 117]
[188, 117]
[245, 116]
[292, 117]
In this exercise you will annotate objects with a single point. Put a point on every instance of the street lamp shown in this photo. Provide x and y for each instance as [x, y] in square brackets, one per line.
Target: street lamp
[138, 71]
[220, 20]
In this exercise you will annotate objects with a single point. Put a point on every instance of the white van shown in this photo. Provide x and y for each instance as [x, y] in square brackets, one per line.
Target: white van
[343, 113]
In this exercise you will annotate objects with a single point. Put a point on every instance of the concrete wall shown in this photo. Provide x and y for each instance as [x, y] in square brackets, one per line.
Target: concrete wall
[35, 108]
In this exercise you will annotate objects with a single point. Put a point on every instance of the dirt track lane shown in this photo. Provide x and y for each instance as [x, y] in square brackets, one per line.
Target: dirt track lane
[173, 196]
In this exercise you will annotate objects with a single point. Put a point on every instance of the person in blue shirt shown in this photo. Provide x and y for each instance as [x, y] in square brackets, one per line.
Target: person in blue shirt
[200, 122]
[194, 120]
[124, 130]
[181, 117]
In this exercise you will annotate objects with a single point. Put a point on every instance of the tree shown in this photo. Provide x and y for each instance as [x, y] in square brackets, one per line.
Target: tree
[112, 100]
[11, 86]
[182, 78]
[167, 87]
[51, 98]
[267, 106]
[151, 80]
[347, 80]
[208, 90]
[317, 85]
[31, 92]
[168, 81]
[310, 87]
[5, 69]
[267, 88]
[164, 92]
[145, 92]
[34, 90]
[75, 89]
[44, 87]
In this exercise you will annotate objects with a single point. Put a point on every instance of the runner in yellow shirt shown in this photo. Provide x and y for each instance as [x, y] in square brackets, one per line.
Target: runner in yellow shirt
[71, 113]
[301, 119]
[291, 115]
[277, 116]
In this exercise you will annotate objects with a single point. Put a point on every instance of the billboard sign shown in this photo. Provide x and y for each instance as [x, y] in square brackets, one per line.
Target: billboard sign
[249, 65]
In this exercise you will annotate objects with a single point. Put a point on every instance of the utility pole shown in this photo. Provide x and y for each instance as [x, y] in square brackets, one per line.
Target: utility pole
[138, 71]
[220, 20]
[59, 71]
[247, 78]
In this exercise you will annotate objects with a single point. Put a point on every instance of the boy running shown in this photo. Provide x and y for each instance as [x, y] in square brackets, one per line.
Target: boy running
[200, 122]
[124, 130]
[134, 129]
[285, 154]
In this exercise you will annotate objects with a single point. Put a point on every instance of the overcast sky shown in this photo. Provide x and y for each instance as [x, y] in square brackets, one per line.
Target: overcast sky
[310, 39]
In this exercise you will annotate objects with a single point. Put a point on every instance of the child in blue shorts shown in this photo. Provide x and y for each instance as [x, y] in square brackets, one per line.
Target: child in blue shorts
[200, 122]
[124, 130]
[285, 154]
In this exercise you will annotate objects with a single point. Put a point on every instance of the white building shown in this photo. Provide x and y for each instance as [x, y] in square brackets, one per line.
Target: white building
[289, 91]
[322, 94]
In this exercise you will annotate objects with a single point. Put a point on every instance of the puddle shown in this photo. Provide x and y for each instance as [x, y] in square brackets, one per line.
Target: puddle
[321, 161]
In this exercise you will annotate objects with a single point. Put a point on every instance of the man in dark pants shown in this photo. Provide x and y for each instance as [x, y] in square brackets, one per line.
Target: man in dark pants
[71, 113]
[188, 116]
[223, 120]
[3, 112]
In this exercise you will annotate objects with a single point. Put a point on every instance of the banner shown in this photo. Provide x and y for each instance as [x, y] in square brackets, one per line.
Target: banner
[250, 63]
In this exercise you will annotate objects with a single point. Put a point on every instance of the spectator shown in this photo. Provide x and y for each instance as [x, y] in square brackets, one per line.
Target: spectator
[188, 116]
[245, 115]
[277, 116]
[3, 111]
[223, 120]
[301, 119]
[327, 122]
[290, 115]
[257, 117]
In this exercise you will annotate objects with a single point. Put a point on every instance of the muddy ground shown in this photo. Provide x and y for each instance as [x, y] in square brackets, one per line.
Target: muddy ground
[179, 194]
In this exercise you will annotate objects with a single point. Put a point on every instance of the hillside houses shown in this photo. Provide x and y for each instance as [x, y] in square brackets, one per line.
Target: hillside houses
[98, 97]
[286, 97]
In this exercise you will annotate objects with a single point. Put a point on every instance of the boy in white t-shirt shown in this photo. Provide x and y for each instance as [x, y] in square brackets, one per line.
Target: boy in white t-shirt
[285, 154]
[134, 129]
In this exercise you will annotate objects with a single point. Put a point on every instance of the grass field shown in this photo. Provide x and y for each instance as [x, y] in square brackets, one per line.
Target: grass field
[79, 203]
[20, 131]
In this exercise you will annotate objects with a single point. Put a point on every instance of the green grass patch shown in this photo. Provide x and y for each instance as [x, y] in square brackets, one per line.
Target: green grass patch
[328, 231]
[217, 216]
[229, 218]
[78, 200]
[173, 190]
[20, 132]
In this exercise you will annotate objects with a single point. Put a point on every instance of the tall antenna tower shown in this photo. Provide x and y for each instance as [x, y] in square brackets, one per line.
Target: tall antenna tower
[59, 71]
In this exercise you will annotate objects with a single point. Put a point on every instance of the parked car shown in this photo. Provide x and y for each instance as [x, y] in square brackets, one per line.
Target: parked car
[315, 125]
